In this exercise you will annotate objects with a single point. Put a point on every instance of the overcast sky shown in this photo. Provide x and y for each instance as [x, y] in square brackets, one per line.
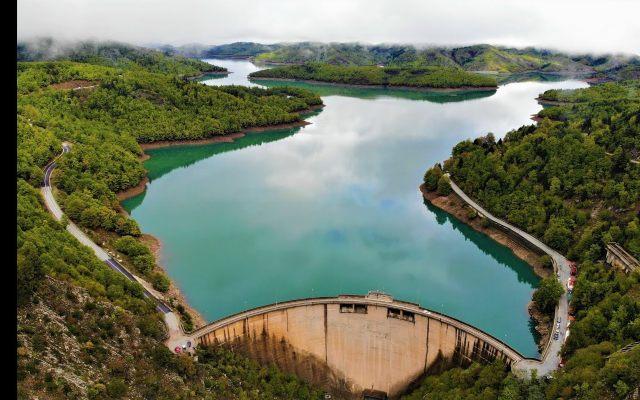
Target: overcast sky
[576, 26]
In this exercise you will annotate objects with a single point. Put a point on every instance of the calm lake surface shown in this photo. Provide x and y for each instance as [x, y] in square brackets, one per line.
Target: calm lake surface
[334, 208]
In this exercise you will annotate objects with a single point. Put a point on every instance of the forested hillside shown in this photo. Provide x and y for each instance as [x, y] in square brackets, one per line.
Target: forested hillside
[424, 77]
[570, 181]
[84, 331]
[112, 54]
[481, 57]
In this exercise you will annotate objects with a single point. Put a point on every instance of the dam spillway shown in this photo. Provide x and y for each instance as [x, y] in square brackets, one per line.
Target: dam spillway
[349, 344]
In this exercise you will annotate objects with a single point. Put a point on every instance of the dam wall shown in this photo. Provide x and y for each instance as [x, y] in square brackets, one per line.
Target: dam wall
[349, 344]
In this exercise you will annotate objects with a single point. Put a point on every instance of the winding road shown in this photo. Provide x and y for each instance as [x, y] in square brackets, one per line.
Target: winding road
[550, 359]
[170, 318]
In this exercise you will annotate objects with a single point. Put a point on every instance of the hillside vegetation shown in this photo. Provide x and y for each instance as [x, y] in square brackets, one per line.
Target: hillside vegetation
[112, 54]
[423, 77]
[558, 181]
[480, 57]
[85, 331]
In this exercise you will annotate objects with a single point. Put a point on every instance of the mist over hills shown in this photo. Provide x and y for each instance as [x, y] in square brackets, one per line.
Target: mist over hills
[480, 57]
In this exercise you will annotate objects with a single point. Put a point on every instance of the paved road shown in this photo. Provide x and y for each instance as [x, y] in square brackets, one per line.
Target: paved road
[550, 357]
[171, 320]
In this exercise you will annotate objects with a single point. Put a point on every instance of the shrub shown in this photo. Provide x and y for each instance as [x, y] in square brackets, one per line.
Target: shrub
[444, 188]
[116, 388]
[160, 281]
[547, 295]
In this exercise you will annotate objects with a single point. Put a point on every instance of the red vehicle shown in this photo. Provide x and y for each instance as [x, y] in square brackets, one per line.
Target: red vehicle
[574, 268]
[178, 349]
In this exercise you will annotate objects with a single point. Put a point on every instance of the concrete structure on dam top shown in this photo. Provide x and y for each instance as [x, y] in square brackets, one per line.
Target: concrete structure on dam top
[352, 344]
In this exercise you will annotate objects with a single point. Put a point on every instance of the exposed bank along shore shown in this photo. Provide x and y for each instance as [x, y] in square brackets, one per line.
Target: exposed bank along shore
[155, 245]
[367, 86]
[454, 206]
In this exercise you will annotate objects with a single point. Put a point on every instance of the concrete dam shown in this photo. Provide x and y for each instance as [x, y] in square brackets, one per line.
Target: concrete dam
[354, 345]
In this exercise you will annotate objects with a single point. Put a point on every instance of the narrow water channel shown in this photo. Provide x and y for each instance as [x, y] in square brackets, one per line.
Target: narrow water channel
[334, 208]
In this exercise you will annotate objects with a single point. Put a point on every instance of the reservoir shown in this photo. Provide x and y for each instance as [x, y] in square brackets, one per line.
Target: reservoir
[334, 208]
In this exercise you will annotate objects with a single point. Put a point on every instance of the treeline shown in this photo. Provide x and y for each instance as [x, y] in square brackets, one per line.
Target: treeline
[419, 77]
[556, 181]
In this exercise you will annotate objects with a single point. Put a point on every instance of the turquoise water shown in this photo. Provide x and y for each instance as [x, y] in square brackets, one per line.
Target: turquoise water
[334, 208]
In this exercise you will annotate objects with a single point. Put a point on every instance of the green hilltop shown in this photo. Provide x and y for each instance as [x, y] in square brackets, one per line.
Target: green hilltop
[480, 57]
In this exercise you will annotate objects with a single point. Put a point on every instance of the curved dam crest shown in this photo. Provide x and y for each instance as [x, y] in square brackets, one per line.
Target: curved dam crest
[349, 344]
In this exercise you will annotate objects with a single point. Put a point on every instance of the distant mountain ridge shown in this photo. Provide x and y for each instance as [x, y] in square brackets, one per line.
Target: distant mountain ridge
[481, 57]
[111, 54]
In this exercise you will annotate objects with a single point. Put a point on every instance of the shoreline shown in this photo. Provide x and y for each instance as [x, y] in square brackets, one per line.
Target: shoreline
[227, 138]
[547, 102]
[455, 207]
[452, 205]
[192, 77]
[154, 244]
[174, 292]
[388, 87]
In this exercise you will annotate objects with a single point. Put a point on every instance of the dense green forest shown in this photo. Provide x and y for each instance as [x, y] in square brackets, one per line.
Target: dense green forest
[112, 54]
[231, 50]
[423, 77]
[480, 57]
[83, 329]
[558, 181]
[568, 180]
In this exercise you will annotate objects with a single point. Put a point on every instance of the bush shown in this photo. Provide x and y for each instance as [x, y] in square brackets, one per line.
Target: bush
[144, 263]
[116, 388]
[431, 178]
[548, 294]
[160, 281]
[130, 246]
[546, 261]
[444, 188]
[472, 213]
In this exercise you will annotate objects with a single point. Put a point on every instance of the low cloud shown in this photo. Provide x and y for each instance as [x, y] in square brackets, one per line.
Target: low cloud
[574, 26]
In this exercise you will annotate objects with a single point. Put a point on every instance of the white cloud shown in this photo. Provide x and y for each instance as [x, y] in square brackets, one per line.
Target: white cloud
[568, 25]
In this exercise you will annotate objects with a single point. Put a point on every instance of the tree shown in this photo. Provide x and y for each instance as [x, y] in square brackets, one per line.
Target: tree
[548, 294]
[30, 272]
[116, 388]
[431, 178]
[444, 188]
[558, 235]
